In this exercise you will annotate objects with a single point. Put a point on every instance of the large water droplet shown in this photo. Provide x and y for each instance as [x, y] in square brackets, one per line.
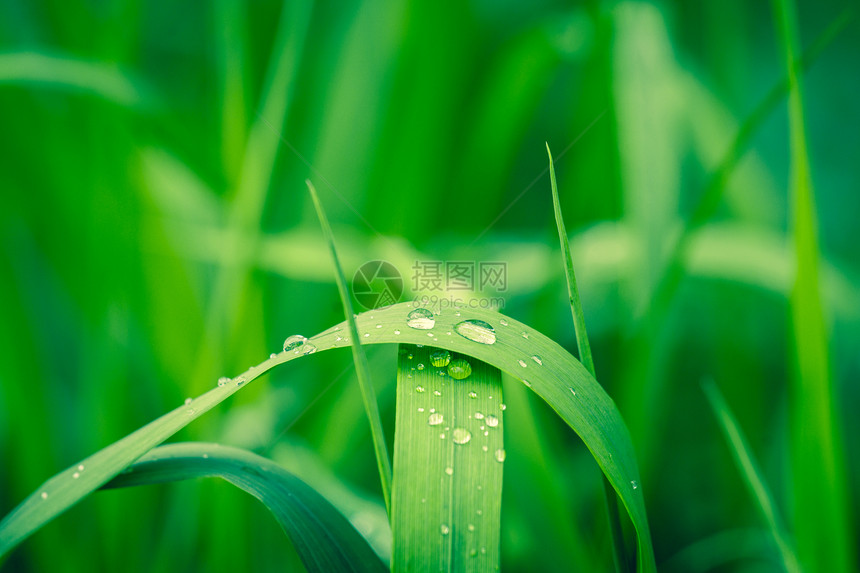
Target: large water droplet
[460, 369]
[421, 319]
[294, 342]
[537, 359]
[492, 421]
[461, 435]
[500, 455]
[435, 419]
[476, 330]
[440, 357]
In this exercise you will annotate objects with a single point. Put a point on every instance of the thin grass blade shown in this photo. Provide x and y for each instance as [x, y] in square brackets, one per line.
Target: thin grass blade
[362, 370]
[448, 461]
[752, 475]
[323, 538]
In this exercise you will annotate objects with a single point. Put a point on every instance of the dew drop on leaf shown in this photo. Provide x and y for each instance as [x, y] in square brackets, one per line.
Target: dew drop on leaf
[460, 369]
[476, 330]
[294, 341]
[440, 357]
[421, 319]
[435, 419]
[492, 421]
[500, 455]
[461, 436]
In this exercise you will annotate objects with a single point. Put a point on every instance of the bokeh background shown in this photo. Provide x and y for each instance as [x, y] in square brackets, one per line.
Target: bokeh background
[157, 234]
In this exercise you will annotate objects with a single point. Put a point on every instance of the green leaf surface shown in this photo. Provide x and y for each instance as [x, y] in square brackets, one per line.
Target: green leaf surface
[448, 460]
[323, 538]
[549, 370]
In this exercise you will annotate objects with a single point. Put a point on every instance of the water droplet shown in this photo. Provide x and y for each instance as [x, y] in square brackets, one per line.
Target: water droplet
[449, 471]
[367, 335]
[421, 319]
[420, 366]
[461, 435]
[485, 448]
[44, 495]
[472, 395]
[500, 455]
[81, 467]
[634, 484]
[409, 356]
[378, 326]
[572, 391]
[223, 381]
[396, 332]
[272, 355]
[537, 359]
[476, 330]
[294, 341]
[205, 456]
[471, 527]
[525, 334]
[419, 346]
[527, 383]
[440, 357]
[437, 392]
[502, 407]
[442, 436]
[240, 380]
[338, 339]
[419, 389]
[479, 416]
[445, 529]
[431, 335]
[435, 419]
[188, 401]
[492, 421]
[309, 348]
[522, 363]
[479, 512]
[473, 552]
[420, 409]
[443, 373]
[483, 550]
[76, 475]
[503, 322]
[460, 369]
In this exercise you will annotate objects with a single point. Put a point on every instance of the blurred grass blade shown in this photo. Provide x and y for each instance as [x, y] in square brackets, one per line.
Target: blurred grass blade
[550, 371]
[361, 368]
[752, 475]
[323, 538]
[618, 546]
[822, 525]
[448, 462]
[73, 74]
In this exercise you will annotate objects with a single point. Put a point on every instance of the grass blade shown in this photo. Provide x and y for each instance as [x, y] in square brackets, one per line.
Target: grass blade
[822, 525]
[618, 545]
[323, 538]
[448, 458]
[752, 475]
[362, 370]
[550, 371]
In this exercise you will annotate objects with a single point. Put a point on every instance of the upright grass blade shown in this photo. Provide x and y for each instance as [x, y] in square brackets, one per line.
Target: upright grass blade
[323, 538]
[752, 475]
[448, 460]
[822, 525]
[362, 370]
[544, 366]
[618, 545]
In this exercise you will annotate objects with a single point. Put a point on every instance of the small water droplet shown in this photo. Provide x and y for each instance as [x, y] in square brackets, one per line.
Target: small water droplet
[537, 359]
[449, 471]
[188, 401]
[572, 391]
[435, 419]
[240, 380]
[437, 392]
[440, 357]
[294, 341]
[420, 409]
[431, 335]
[445, 529]
[527, 383]
[272, 355]
[419, 346]
[44, 495]
[338, 339]
[420, 366]
[309, 348]
[476, 330]
[479, 416]
[460, 369]
[473, 552]
[76, 475]
[409, 356]
[483, 550]
[492, 421]
[471, 527]
[472, 395]
[205, 456]
[396, 332]
[81, 467]
[419, 389]
[461, 436]
[223, 381]
[503, 322]
[378, 326]
[525, 334]
[421, 319]
[502, 407]
[500, 455]
[634, 484]
[522, 363]
[479, 512]
[485, 448]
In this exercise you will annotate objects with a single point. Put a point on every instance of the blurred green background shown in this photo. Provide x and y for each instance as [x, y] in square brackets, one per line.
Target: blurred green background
[157, 234]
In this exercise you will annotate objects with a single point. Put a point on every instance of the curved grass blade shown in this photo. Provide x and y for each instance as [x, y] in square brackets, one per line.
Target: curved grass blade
[822, 525]
[362, 370]
[448, 462]
[549, 370]
[323, 538]
[751, 474]
[619, 550]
